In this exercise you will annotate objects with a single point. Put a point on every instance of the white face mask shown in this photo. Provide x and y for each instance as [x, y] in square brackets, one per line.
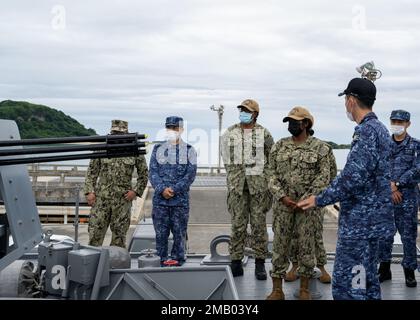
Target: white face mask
[172, 135]
[397, 130]
[349, 114]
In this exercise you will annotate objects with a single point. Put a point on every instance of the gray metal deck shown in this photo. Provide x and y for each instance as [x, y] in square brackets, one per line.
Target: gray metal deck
[250, 288]
[209, 218]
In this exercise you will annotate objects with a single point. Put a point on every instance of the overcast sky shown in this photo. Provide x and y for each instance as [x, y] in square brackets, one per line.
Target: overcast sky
[144, 60]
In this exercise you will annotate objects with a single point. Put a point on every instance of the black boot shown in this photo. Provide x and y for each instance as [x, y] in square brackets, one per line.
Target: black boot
[236, 267]
[410, 278]
[384, 271]
[260, 272]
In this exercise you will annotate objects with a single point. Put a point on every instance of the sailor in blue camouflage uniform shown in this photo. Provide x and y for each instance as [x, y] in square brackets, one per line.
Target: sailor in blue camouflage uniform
[405, 169]
[364, 192]
[173, 166]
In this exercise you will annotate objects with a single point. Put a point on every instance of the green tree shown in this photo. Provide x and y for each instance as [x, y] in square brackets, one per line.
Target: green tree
[38, 121]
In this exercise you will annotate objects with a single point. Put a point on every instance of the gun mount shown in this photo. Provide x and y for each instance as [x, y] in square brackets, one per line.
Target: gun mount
[21, 223]
[61, 268]
[109, 146]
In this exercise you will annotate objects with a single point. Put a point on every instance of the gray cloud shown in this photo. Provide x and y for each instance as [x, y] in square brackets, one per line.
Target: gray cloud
[144, 60]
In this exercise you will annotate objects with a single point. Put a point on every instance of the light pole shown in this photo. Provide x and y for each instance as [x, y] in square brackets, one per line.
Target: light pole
[219, 111]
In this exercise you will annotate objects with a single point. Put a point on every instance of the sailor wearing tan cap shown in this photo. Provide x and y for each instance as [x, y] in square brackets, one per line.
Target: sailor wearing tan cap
[245, 150]
[299, 167]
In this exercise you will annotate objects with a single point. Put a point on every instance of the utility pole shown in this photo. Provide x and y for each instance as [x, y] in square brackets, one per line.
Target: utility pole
[219, 111]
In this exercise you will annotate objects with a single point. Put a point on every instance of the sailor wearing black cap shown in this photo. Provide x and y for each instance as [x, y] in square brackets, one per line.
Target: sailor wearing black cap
[364, 192]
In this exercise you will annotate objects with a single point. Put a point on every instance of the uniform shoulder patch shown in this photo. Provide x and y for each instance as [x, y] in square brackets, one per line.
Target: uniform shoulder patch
[233, 127]
[324, 149]
[276, 146]
[231, 131]
[282, 141]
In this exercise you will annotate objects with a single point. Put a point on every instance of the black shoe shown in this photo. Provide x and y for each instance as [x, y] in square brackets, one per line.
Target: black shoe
[260, 272]
[236, 267]
[384, 271]
[410, 278]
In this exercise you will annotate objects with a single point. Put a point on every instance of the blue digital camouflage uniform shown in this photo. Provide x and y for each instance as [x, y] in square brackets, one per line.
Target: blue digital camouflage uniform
[405, 169]
[172, 166]
[364, 192]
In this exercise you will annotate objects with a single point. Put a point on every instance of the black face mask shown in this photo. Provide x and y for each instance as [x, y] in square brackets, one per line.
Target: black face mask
[295, 128]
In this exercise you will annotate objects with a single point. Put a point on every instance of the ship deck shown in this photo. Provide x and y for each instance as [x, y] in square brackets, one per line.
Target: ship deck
[250, 288]
[209, 218]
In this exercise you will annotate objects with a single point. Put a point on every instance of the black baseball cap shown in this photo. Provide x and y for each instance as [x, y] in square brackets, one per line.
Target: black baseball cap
[362, 89]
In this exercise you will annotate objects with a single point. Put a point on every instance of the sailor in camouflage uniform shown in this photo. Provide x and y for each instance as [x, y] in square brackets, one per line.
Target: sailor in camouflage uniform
[108, 189]
[245, 151]
[300, 167]
[364, 192]
[320, 252]
[173, 167]
[405, 170]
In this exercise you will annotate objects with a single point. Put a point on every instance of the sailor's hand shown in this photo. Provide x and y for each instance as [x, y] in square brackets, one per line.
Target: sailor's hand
[168, 193]
[171, 192]
[288, 202]
[397, 197]
[130, 195]
[308, 203]
[91, 199]
[393, 186]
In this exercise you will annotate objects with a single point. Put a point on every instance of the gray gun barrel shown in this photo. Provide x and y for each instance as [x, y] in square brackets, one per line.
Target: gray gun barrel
[106, 138]
[109, 146]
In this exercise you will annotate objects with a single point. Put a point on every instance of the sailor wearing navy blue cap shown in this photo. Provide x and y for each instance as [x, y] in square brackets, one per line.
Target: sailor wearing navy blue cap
[364, 191]
[174, 122]
[405, 169]
[173, 166]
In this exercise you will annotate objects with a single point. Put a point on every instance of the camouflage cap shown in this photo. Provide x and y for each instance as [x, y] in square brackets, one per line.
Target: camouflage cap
[250, 105]
[174, 121]
[119, 126]
[400, 115]
[299, 113]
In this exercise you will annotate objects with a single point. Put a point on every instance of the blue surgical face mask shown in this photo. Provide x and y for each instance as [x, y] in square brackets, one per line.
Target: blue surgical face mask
[245, 117]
